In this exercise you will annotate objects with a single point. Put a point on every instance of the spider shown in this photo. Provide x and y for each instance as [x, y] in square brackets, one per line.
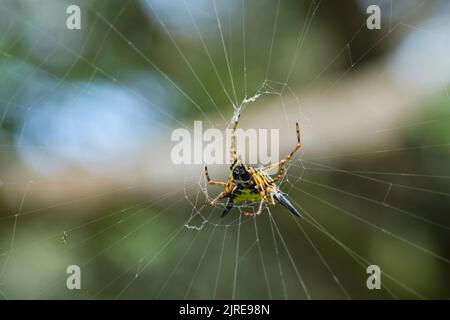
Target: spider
[250, 184]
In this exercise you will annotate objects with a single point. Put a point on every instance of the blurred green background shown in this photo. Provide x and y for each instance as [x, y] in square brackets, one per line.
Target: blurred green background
[85, 123]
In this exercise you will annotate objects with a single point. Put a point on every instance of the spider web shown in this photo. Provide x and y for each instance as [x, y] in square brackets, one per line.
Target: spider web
[380, 205]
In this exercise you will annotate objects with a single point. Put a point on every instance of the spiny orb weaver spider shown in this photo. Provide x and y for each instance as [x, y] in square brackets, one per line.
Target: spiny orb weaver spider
[248, 184]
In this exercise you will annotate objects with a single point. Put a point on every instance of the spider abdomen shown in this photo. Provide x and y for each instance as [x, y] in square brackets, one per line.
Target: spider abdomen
[242, 194]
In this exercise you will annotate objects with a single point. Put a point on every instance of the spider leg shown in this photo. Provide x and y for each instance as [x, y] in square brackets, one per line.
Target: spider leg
[220, 196]
[263, 191]
[270, 199]
[261, 203]
[258, 181]
[282, 164]
[281, 171]
[211, 182]
[298, 145]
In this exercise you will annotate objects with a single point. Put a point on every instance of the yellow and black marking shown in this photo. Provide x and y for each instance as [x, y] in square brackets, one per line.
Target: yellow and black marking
[242, 194]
